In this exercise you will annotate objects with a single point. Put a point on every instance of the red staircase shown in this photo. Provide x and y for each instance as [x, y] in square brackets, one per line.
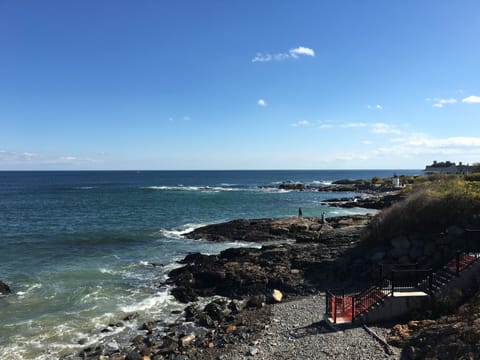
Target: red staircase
[341, 308]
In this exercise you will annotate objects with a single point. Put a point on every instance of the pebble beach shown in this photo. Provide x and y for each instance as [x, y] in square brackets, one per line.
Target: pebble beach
[297, 330]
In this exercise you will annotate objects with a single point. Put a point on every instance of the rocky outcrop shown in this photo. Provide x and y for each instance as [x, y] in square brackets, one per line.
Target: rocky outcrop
[449, 337]
[376, 202]
[4, 289]
[268, 230]
[293, 268]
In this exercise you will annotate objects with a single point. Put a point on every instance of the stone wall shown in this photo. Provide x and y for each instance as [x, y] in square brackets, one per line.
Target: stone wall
[428, 250]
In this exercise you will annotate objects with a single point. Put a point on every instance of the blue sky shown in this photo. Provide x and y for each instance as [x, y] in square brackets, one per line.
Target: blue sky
[238, 84]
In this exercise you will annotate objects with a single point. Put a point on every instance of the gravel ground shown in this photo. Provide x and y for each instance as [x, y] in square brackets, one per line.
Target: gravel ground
[297, 331]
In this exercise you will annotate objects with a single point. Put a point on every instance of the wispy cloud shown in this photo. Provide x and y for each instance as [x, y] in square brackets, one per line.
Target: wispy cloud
[383, 128]
[472, 100]
[262, 102]
[375, 107]
[440, 103]
[424, 141]
[301, 123]
[327, 124]
[32, 159]
[291, 54]
[367, 142]
[354, 125]
[13, 157]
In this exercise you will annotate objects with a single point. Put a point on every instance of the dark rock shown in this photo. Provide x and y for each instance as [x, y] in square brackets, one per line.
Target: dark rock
[217, 310]
[4, 289]
[131, 317]
[257, 301]
[191, 312]
[169, 345]
[149, 326]
[184, 294]
[133, 355]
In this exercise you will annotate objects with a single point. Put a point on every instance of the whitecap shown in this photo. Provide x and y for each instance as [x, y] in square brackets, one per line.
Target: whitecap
[154, 302]
[107, 271]
[192, 188]
[177, 233]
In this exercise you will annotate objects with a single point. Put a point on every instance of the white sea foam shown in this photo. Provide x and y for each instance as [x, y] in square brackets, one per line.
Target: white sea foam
[193, 188]
[107, 271]
[177, 233]
[28, 290]
[322, 182]
[154, 302]
[271, 190]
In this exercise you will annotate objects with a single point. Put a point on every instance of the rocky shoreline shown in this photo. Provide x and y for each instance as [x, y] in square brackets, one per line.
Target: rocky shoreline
[254, 302]
[304, 257]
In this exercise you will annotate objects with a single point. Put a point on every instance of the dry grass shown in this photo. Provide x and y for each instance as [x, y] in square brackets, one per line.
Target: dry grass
[432, 206]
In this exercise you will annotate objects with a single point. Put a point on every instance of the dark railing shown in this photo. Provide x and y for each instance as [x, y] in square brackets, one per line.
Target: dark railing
[401, 278]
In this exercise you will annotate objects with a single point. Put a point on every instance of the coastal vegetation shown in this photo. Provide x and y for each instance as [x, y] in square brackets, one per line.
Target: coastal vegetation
[431, 205]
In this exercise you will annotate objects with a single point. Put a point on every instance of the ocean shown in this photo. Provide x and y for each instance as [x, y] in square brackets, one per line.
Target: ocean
[77, 247]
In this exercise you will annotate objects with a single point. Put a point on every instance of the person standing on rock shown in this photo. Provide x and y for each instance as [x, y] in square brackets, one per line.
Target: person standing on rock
[323, 217]
[300, 213]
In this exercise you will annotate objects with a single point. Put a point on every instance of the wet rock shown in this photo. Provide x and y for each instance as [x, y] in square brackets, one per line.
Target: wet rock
[134, 355]
[236, 306]
[169, 345]
[184, 294]
[257, 301]
[187, 339]
[131, 317]
[149, 326]
[217, 310]
[4, 288]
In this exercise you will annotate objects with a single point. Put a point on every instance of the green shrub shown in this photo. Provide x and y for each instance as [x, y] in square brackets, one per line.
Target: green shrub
[429, 208]
[472, 177]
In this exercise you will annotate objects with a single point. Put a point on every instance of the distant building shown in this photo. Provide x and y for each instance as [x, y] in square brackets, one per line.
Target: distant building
[449, 167]
[396, 181]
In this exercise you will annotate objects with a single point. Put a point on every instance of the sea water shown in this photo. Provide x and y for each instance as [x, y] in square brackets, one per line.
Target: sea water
[77, 247]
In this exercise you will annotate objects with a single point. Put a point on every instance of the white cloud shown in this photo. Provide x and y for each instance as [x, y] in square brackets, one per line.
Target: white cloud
[261, 102]
[375, 107]
[327, 124]
[439, 103]
[14, 157]
[447, 101]
[421, 140]
[301, 51]
[382, 128]
[301, 123]
[32, 159]
[472, 100]
[291, 54]
[262, 58]
[367, 142]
